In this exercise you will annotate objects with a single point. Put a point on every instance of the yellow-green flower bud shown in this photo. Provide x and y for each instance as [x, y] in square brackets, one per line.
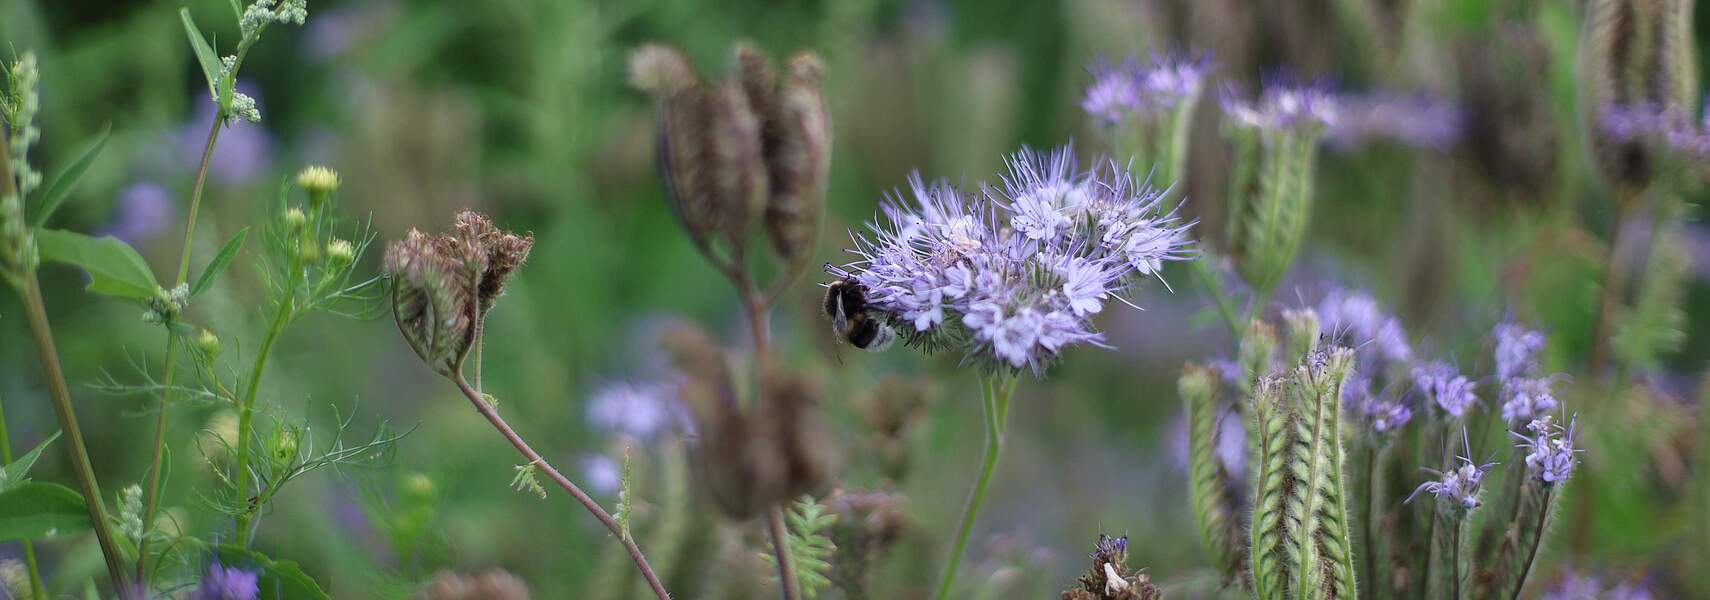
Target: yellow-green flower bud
[340, 252]
[208, 343]
[294, 218]
[309, 251]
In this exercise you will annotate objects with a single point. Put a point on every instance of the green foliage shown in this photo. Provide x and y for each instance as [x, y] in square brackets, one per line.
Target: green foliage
[1277, 215]
[218, 265]
[60, 187]
[527, 479]
[1208, 478]
[35, 510]
[1654, 324]
[114, 267]
[810, 545]
[626, 498]
[17, 472]
[205, 57]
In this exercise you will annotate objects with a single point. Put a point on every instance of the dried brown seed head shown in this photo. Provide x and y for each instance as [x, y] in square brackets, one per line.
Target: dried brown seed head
[493, 584]
[800, 160]
[433, 292]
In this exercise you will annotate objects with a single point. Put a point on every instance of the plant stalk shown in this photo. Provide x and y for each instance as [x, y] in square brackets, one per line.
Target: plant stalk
[996, 403]
[36, 310]
[534, 458]
[246, 410]
[152, 497]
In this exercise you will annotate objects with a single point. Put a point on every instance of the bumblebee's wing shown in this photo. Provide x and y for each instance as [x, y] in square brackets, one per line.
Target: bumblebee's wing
[839, 320]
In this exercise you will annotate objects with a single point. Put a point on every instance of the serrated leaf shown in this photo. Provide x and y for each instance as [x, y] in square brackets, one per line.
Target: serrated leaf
[56, 192]
[218, 265]
[277, 579]
[37, 510]
[204, 53]
[114, 266]
[15, 473]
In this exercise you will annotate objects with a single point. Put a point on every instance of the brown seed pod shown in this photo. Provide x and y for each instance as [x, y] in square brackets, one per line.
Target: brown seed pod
[493, 584]
[800, 162]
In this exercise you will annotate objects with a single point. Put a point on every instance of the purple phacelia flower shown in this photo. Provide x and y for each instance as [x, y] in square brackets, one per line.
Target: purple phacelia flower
[1667, 126]
[1354, 318]
[1549, 449]
[1120, 91]
[1420, 121]
[1018, 269]
[1281, 106]
[1527, 398]
[1516, 351]
[223, 583]
[640, 410]
[1574, 586]
[602, 474]
[1444, 385]
[143, 210]
[244, 150]
[1459, 485]
[1382, 413]
[1630, 591]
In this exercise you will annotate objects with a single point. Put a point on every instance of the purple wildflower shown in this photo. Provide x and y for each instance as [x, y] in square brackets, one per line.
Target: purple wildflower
[1113, 93]
[1445, 385]
[1667, 126]
[1517, 351]
[1459, 485]
[602, 474]
[1382, 413]
[1549, 449]
[1014, 274]
[1525, 399]
[1574, 586]
[1630, 591]
[1119, 91]
[1281, 106]
[223, 583]
[1355, 318]
[1420, 121]
[641, 410]
[143, 210]
[244, 150]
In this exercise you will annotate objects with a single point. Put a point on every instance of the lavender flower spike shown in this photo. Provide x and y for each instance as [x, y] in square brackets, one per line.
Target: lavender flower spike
[1012, 276]
[1517, 351]
[223, 583]
[1445, 385]
[1120, 91]
[1550, 451]
[1114, 92]
[1281, 106]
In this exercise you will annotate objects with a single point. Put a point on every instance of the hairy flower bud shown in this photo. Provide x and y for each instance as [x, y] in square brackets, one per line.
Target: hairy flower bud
[318, 182]
[340, 252]
[433, 298]
[208, 343]
[294, 218]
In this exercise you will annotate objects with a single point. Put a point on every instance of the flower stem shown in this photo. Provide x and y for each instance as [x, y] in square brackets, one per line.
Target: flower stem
[534, 458]
[781, 549]
[246, 412]
[994, 396]
[37, 590]
[36, 310]
[152, 497]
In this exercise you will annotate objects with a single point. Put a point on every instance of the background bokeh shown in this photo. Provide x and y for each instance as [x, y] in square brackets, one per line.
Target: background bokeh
[520, 109]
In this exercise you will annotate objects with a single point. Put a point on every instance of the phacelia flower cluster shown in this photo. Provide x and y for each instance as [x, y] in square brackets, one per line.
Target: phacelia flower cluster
[1420, 121]
[639, 410]
[1281, 106]
[1118, 91]
[226, 583]
[1667, 126]
[1355, 319]
[1526, 393]
[1549, 449]
[1013, 275]
[1459, 485]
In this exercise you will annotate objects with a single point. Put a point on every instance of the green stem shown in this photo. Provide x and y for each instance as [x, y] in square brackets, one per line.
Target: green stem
[996, 405]
[247, 408]
[43, 334]
[37, 590]
[780, 537]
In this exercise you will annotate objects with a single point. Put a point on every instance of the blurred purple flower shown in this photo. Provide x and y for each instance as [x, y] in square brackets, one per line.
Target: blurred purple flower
[222, 583]
[1573, 586]
[1120, 91]
[1281, 106]
[1630, 591]
[1354, 318]
[1231, 447]
[1444, 385]
[1418, 120]
[1669, 126]
[602, 474]
[1113, 93]
[1381, 412]
[1525, 399]
[243, 151]
[1516, 351]
[142, 210]
[640, 410]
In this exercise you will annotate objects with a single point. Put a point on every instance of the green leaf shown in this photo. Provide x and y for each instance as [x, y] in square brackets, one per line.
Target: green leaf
[63, 182]
[37, 510]
[204, 53]
[14, 474]
[218, 265]
[279, 579]
[237, 10]
[116, 268]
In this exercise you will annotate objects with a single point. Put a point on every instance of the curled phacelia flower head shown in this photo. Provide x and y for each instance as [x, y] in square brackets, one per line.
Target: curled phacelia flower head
[1549, 449]
[1013, 276]
[1444, 385]
[443, 285]
[226, 583]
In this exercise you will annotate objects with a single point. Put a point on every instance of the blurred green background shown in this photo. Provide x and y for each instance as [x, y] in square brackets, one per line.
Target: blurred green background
[520, 109]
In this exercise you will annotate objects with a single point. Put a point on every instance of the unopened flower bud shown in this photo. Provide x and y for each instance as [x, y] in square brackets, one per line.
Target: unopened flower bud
[1258, 349]
[340, 252]
[208, 343]
[1303, 329]
[294, 218]
[308, 250]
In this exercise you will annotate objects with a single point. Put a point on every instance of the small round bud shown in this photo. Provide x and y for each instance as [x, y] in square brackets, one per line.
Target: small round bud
[340, 252]
[294, 218]
[318, 180]
[309, 251]
[208, 343]
[418, 485]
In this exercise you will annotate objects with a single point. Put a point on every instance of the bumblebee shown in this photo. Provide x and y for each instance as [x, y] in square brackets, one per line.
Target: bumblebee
[846, 304]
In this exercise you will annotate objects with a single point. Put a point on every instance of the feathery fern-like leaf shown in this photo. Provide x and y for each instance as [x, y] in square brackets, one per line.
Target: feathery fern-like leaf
[810, 545]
